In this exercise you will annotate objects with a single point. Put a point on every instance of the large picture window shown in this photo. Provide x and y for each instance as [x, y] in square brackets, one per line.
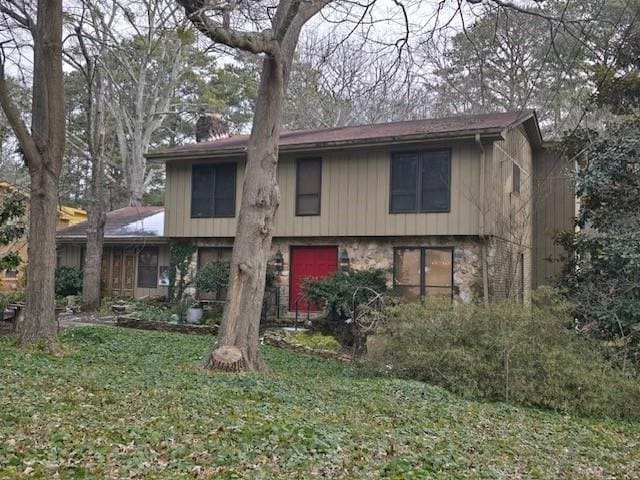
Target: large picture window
[213, 190]
[308, 186]
[148, 267]
[420, 181]
[423, 271]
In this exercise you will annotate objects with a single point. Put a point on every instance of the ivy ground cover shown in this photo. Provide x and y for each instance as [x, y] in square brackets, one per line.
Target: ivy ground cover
[132, 404]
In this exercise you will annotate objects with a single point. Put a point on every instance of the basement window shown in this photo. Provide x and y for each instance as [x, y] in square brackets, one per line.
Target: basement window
[423, 272]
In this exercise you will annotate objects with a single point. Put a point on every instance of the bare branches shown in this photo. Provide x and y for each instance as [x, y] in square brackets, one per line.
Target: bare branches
[15, 120]
[221, 32]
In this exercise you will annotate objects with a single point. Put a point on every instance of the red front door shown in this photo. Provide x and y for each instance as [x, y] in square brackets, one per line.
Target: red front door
[309, 262]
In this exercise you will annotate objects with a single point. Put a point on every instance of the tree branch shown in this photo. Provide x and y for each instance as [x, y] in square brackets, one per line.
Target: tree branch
[254, 42]
[21, 131]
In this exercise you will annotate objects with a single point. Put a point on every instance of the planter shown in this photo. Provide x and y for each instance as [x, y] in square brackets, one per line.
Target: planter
[194, 315]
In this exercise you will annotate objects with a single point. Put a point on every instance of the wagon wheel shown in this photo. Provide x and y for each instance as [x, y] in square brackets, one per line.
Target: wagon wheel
[369, 314]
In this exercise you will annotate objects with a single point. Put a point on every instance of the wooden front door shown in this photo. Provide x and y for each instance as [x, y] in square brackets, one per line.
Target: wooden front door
[118, 272]
[309, 262]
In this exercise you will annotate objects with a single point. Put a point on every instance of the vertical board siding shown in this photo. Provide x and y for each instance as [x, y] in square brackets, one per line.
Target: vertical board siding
[554, 211]
[354, 198]
[512, 213]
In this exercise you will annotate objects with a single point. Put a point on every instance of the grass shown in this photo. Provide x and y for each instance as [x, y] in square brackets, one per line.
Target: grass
[131, 404]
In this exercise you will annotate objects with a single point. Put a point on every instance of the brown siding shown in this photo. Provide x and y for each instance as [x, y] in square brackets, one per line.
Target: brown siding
[354, 199]
[511, 216]
[554, 211]
[69, 255]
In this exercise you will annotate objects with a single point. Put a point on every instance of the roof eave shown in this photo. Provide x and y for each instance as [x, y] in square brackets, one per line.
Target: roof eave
[382, 141]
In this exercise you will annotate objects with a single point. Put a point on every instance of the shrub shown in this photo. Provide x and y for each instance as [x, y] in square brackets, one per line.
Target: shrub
[68, 281]
[526, 354]
[316, 341]
[336, 291]
[213, 276]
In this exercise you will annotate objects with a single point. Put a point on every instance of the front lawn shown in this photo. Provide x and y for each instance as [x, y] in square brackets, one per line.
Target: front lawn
[132, 404]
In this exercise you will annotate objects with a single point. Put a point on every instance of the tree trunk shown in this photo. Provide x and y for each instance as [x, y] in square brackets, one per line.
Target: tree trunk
[93, 258]
[252, 246]
[39, 316]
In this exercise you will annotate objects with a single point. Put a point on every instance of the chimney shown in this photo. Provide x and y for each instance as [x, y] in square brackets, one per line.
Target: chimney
[211, 126]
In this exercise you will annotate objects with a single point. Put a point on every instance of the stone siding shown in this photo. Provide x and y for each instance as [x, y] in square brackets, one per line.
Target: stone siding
[374, 252]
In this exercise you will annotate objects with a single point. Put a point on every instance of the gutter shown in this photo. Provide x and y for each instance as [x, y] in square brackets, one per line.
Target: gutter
[481, 221]
[305, 147]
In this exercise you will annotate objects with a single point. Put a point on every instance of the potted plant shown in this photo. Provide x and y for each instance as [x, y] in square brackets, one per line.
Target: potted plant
[194, 310]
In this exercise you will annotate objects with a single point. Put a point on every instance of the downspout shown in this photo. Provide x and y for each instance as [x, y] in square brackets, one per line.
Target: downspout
[481, 222]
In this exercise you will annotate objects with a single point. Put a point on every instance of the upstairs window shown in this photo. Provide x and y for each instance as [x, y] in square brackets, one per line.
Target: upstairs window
[420, 182]
[516, 177]
[213, 190]
[308, 186]
[148, 267]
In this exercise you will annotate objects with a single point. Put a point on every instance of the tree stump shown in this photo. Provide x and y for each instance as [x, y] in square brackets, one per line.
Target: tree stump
[226, 358]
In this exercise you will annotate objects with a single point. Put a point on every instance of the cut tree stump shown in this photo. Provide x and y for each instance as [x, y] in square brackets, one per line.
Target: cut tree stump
[226, 358]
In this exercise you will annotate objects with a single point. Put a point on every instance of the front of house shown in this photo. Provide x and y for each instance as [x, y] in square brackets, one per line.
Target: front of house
[445, 206]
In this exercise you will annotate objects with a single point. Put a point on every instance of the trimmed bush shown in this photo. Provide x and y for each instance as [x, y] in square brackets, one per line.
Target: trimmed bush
[525, 354]
[68, 281]
[213, 276]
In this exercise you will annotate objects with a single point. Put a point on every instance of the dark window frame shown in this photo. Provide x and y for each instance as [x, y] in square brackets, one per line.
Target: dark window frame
[212, 194]
[139, 278]
[516, 185]
[424, 288]
[298, 194]
[422, 156]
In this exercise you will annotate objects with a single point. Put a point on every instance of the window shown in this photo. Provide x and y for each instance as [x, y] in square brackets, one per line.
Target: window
[213, 190]
[419, 272]
[420, 182]
[516, 177]
[148, 267]
[308, 186]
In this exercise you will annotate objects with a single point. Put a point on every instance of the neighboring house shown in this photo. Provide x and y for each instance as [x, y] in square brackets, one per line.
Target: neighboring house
[430, 201]
[12, 279]
[135, 259]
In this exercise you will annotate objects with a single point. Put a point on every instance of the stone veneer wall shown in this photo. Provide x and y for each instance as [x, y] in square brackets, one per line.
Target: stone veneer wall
[375, 252]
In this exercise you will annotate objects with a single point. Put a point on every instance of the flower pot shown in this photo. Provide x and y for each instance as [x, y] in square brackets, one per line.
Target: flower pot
[194, 315]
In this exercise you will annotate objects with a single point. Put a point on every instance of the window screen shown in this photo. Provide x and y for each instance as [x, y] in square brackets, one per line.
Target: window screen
[516, 177]
[420, 181]
[308, 186]
[213, 190]
[148, 268]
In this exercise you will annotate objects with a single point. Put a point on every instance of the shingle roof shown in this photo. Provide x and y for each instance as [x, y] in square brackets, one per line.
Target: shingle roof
[128, 222]
[377, 132]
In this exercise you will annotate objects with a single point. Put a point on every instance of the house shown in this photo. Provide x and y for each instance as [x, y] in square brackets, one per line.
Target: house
[12, 279]
[448, 206]
[135, 253]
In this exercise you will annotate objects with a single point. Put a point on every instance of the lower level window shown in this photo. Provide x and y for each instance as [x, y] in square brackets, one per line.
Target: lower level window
[423, 271]
[148, 267]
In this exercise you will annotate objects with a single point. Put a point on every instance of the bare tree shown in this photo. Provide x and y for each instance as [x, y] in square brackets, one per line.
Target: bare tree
[42, 147]
[91, 29]
[225, 23]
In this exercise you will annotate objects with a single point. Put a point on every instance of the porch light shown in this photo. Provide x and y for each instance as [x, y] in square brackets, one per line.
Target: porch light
[344, 260]
[278, 261]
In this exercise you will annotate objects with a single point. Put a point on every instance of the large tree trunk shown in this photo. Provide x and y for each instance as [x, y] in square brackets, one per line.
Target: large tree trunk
[252, 246]
[39, 316]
